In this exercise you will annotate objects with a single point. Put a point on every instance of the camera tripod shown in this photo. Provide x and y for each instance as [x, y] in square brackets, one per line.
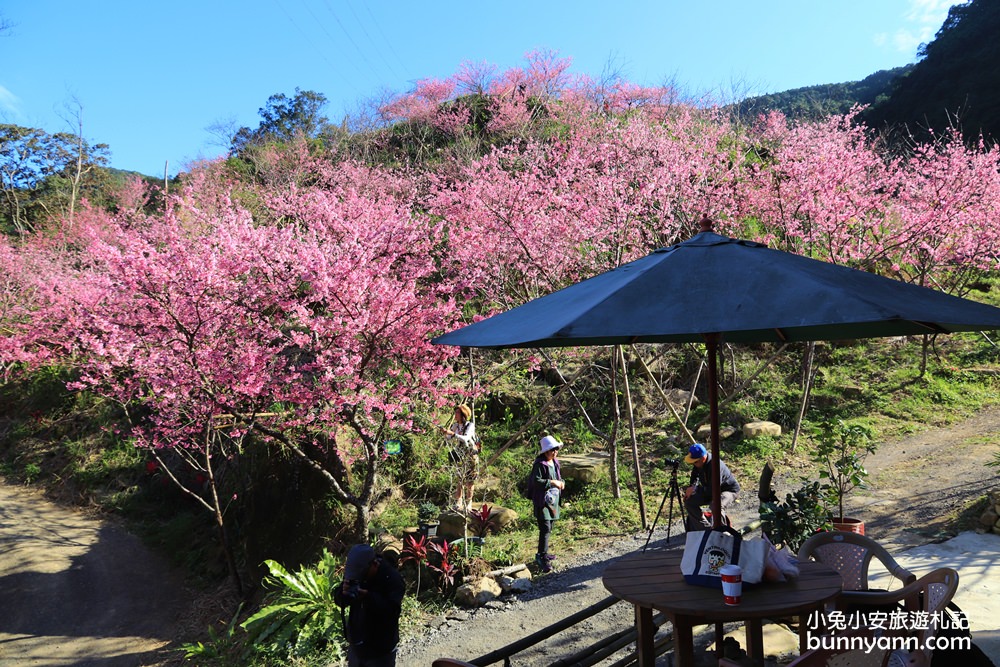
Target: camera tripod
[673, 491]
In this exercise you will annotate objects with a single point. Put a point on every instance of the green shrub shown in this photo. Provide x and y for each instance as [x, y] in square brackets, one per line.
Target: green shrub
[301, 617]
[799, 516]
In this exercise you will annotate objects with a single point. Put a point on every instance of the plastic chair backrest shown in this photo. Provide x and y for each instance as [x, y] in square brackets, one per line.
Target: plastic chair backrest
[933, 592]
[851, 554]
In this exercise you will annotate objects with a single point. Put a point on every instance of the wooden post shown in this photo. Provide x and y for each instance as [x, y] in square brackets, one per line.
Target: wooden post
[635, 444]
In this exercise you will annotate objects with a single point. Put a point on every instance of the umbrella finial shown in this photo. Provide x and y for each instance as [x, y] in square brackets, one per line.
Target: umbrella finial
[706, 223]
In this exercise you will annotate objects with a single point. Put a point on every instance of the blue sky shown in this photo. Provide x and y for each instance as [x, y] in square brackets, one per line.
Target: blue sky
[152, 77]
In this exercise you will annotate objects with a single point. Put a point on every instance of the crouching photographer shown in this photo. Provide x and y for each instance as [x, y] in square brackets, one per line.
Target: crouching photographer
[373, 590]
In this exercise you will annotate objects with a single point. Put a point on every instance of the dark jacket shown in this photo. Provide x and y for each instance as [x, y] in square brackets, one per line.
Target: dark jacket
[703, 477]
[540, 475]
[373, 623]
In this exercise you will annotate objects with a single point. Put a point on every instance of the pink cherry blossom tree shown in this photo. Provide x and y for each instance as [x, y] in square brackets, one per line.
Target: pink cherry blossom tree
[309, 327]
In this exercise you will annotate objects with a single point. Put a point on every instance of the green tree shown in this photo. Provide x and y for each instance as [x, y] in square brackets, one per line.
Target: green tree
[43, 175]
[284, 119]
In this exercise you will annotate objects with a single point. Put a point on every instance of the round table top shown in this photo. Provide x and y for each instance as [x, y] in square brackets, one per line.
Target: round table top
[653, 579]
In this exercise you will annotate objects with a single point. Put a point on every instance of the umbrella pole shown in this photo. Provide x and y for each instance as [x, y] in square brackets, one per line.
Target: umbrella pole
[712, 348]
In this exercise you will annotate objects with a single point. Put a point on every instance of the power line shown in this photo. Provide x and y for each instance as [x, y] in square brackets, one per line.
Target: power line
[370, 40]
[321, 53]
[351, 39]
[392, 49]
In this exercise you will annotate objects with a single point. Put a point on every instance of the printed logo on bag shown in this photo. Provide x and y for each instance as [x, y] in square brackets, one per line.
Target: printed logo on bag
[716, 557]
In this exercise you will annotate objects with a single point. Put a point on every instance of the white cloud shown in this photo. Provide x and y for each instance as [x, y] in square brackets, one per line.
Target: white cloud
[907, 41]
[929, 12]
[923, 19]
[9, 102]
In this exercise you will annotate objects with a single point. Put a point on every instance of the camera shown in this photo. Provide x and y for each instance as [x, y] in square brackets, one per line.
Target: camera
[351, 590]
[672, 462]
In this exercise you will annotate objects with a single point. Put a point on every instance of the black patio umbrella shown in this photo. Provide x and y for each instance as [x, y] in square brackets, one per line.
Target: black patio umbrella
[712, 288]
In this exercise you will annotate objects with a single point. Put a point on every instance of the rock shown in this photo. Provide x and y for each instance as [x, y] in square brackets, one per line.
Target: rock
[453, 523]
[704, 432]
[514, 585]
[755, 429]
[989, 518]
[679, 398]
[586, 468]
[502, 517]
[477, 593]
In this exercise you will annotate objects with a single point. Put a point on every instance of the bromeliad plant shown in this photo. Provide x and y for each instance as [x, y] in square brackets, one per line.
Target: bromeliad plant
[483, 521]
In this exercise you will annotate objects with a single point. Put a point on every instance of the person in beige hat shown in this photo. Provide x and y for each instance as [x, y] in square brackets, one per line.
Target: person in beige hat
[546, 487]
[463, 452]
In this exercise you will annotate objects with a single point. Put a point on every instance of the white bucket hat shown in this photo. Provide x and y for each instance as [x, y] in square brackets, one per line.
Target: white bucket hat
[548, 443]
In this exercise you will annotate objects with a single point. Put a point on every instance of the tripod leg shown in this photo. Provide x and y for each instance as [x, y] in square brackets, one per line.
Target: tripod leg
[675, 492]
[658, 512]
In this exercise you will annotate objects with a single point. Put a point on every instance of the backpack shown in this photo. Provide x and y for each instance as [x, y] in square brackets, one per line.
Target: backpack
[527, 486]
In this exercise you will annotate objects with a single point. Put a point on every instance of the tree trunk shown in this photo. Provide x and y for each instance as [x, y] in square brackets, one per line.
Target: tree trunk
[616, 491]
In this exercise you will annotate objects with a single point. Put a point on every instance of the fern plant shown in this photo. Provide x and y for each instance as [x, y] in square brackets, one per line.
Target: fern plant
[301, 615]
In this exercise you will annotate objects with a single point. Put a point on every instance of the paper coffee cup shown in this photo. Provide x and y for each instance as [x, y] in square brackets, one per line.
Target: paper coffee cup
[732, 584]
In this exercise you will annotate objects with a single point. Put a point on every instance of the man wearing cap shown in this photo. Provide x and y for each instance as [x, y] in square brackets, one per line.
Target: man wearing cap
[546, 487]
[374, 590]
[700, 491]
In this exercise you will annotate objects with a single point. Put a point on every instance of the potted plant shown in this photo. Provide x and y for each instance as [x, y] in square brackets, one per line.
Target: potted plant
[793, 521]
[841, 452]
[427, 519]
[483, 521]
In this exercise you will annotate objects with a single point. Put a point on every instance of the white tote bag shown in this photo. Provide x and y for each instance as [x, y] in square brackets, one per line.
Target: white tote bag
[706, 551]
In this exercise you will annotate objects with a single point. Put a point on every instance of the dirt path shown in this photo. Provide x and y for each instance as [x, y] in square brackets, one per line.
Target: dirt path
[75, 590]
[78, 591]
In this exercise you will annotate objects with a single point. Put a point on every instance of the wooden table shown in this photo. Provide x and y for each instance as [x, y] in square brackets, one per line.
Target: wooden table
[652, 580]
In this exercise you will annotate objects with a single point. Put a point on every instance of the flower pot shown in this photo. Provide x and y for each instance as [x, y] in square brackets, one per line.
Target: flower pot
[429, 528]
[849, 525]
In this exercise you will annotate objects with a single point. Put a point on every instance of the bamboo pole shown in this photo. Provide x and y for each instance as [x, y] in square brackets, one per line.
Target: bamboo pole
[616, 490]
[663, 395]
[514, 438]
[746, 383]
[810, 375]
[635, 444]
[694, 388]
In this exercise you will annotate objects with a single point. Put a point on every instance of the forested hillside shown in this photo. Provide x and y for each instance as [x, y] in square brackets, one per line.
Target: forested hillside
[824, 100]
[955, 84]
